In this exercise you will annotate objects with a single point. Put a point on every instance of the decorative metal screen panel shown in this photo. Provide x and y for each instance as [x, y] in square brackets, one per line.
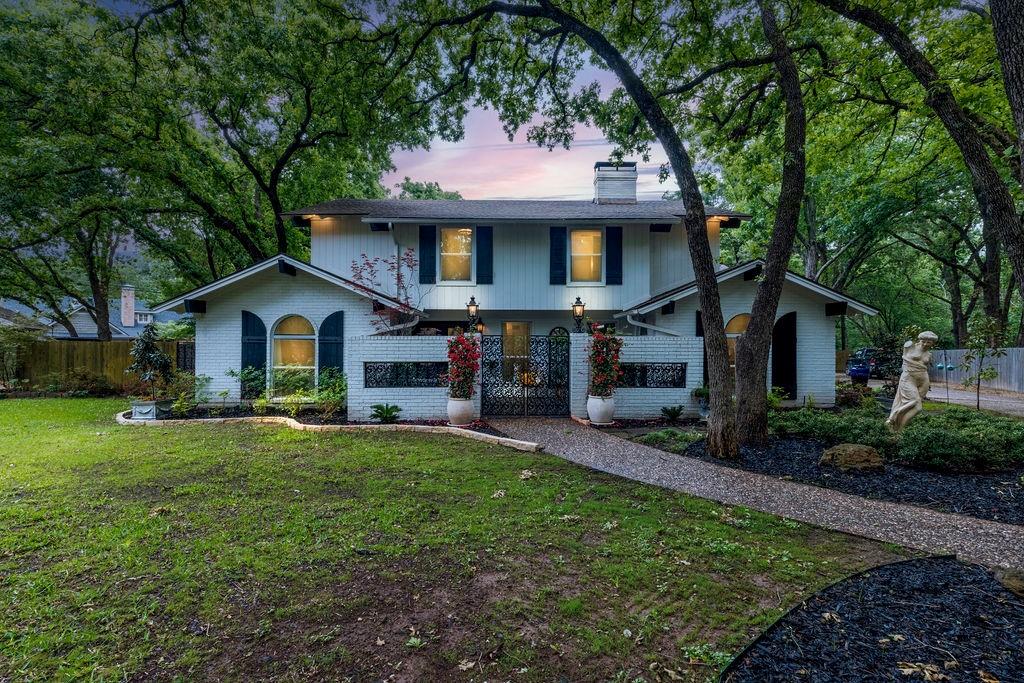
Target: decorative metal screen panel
[653, 375]
[404, 375]
[523, 375]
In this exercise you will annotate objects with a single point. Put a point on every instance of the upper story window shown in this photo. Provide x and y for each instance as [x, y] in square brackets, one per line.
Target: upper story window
[585, 253]
[143, 318]
[456, 254]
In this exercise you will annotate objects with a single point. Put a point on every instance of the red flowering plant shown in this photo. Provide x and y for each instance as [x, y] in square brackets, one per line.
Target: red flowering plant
[463, 364]
[604, 363]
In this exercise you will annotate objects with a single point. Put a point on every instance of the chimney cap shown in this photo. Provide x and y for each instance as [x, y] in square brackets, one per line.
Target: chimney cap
[612, 164]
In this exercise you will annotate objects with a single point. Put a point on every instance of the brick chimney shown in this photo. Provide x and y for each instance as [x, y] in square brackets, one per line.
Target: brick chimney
[127, 306]
[615, 184]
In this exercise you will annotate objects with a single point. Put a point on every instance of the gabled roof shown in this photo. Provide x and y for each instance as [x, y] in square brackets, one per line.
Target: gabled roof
[690, 288]
[503, 210]
[344, 283]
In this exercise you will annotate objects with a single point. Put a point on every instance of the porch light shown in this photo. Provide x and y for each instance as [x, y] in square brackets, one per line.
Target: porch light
[578, 309]
[472, 311]
[480, 326]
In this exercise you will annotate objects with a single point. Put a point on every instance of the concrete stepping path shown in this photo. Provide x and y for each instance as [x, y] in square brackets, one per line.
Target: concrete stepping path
[970, 538]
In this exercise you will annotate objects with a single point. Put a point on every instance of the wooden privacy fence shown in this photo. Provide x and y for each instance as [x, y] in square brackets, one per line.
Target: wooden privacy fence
[947, 365]
[44, 359]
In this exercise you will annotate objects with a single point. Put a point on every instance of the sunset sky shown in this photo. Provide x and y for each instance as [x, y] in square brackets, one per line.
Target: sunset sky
[485, 165]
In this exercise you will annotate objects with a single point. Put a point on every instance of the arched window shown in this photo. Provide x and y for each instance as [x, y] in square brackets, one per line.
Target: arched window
[736, 326]
[294, 355]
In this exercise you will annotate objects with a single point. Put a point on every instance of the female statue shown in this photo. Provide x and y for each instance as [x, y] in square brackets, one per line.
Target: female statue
[914, 384]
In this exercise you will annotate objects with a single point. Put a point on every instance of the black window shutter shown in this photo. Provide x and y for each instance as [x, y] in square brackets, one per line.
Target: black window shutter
[613, 270]
[558, 249]
[484, 255]
[332, 341]
[700, 325]
[254, 341]
[428, 254]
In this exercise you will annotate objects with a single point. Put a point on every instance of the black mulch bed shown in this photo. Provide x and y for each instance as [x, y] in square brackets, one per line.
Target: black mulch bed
[653, 423]
[998, 497]
[315, 419]
[931, 617]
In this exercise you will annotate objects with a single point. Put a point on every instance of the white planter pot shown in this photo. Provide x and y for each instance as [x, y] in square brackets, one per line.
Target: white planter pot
[601, 409]
[460, 411]
[150, 410]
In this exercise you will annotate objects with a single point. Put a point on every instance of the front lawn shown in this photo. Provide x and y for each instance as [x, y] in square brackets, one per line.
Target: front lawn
[258, 552]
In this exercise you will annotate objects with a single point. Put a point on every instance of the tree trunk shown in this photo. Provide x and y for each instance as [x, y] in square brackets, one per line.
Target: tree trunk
[753, 346]
[956, 305]
[811, 250]
[991, 276]
[1008, 26]
[994, 199]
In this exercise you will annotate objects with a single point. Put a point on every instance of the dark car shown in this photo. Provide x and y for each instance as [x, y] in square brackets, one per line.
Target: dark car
[863, 364]
[866, 356]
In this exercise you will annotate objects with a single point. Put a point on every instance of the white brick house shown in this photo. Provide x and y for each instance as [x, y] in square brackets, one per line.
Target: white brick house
[524, 263]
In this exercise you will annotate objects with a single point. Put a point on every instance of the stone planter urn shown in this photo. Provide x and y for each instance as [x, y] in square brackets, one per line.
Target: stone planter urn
[601, 409]
[151, 410]
[460, 411]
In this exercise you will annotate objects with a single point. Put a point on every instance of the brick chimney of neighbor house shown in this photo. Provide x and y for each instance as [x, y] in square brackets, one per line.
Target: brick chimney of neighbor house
[127, 306]
[615, 184]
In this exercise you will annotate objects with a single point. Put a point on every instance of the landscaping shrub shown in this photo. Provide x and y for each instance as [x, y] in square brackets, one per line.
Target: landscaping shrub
[849, 395]
[849, 426]
[962, 440]
[385, 413]
[80, 382]
[672, 413]
[952, 440]
[332, 392]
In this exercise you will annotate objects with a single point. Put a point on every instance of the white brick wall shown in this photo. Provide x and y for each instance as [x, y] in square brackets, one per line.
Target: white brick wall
[815, 333]
[416, 403]
[271, 296]
[640, 403]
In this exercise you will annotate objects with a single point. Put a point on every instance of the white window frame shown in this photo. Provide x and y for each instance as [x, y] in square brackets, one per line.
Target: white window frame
[273, 336]
[472, 257]
[604, 258]
[144, 318]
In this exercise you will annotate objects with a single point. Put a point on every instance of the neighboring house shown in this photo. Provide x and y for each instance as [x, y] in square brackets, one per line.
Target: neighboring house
[525, 263]
[128, 317]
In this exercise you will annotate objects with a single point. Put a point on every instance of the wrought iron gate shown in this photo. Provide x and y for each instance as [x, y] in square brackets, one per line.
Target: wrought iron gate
[523, 375]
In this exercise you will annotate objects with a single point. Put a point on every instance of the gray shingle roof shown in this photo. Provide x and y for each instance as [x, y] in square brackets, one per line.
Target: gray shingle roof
[504, 210]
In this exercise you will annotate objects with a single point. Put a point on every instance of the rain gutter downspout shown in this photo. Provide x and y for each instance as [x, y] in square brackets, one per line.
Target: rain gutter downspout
[638, 323]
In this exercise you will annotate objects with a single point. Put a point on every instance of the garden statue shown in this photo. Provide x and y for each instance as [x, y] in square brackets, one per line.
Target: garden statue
[914, 384]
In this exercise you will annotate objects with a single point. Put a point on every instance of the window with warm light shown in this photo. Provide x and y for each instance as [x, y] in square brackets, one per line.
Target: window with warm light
[585, 251]
[456, 254]
[294, 356]
[736, 326]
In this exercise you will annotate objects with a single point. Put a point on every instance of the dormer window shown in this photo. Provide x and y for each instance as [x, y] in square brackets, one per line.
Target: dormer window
[456, 254]
[143, 318]
[585, 250]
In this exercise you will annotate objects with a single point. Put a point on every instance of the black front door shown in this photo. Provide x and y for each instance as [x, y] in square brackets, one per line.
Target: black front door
[784, 354]
[525, 375]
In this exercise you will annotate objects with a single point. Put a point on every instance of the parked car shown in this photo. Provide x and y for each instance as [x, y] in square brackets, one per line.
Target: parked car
[859, 370]
[870, 358]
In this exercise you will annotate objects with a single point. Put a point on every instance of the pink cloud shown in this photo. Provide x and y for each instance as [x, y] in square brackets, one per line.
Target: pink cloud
[485, 165]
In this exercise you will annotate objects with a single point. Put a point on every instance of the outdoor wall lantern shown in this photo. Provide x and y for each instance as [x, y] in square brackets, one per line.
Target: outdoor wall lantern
[480, 326]
[473, 312]
[578, 309]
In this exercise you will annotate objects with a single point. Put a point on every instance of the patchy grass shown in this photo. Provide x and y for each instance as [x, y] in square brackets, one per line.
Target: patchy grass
[671, 439]
[261, 552]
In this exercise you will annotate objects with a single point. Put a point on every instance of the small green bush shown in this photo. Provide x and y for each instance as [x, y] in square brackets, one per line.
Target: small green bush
[849, 426]
[962, 440]
[331, 392]
[672, 413]
[385, 413]
[79, 383]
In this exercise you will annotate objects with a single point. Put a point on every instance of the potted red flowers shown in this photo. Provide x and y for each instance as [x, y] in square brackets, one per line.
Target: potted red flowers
[463, 364]
[604, 376]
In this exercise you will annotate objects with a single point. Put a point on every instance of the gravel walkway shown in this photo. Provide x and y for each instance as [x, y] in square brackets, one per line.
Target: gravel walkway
[972, 539]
